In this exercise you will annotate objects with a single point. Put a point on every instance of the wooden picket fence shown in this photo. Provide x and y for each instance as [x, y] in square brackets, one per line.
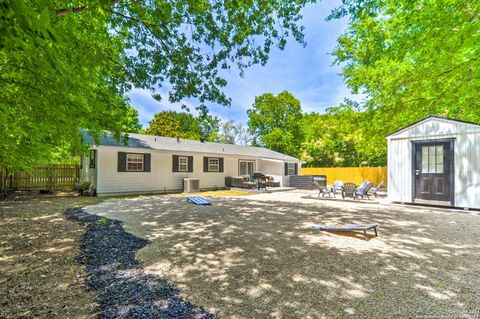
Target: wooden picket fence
[355, 175]
[48, 177]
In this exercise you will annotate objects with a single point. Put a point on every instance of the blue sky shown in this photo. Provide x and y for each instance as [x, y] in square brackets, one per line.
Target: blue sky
[306, 72]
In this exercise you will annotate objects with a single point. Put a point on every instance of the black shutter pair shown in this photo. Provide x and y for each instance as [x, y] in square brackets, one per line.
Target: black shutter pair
[175, 165]
[286, 169]
[220, 164]
[122, 162]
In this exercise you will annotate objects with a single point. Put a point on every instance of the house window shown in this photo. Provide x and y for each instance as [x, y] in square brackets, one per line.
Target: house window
[291, 169]
[135, 162]
[183, 164]
[93, 158]
[432, 159]
[213, 164]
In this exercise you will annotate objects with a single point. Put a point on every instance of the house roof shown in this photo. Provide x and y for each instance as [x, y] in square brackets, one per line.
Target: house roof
[184, 145]
[428, 118]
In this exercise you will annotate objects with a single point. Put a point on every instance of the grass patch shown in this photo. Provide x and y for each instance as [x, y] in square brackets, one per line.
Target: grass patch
[219, 193]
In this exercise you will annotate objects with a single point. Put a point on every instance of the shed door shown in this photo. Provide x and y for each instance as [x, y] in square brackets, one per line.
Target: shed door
[433, 171]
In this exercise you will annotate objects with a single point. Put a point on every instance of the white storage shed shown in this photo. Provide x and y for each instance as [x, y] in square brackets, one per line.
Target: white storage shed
[435, 161]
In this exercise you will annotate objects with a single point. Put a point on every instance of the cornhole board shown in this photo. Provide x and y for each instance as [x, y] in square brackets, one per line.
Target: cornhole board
[348, 227]
[198, 200]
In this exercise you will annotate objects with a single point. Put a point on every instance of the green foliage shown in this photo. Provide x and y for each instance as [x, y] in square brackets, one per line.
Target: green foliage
[56, 77]
[184, 125]
[412, 58]
[234, 133]
[342, 137]
[65, 65]
[276, 123]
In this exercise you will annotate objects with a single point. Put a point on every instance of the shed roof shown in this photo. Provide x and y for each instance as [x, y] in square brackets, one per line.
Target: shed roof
[431, 118]
[184, 145]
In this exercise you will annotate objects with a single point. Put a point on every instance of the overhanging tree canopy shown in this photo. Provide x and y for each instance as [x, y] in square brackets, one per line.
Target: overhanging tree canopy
[66, 64]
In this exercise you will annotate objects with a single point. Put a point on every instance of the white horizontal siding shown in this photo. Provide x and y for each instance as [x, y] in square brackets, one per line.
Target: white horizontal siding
[161, 178]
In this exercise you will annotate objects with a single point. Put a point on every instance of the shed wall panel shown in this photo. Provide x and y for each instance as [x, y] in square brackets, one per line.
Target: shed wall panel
[466, 160]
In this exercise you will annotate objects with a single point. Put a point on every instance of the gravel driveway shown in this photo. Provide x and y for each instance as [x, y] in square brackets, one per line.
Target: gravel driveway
[255, 257]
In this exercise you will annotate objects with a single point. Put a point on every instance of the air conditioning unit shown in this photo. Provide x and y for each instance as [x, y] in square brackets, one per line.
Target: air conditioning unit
[191, 185]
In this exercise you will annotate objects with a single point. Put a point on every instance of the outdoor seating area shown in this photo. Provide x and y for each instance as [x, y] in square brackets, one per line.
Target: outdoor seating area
[258, 180]
[349, 190]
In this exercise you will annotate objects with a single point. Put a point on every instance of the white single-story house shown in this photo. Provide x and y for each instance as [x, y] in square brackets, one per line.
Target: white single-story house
[155, 164]
[435, 161]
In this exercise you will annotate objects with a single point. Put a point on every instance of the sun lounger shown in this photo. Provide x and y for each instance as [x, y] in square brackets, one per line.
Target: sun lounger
[198, 200]
[348, 227]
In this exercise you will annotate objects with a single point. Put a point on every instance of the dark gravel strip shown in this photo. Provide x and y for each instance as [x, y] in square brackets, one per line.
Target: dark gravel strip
[122, 287]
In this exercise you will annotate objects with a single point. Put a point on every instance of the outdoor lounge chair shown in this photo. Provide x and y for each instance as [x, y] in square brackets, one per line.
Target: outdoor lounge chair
[337, 186]
[198, 200]
[348, 227]
[324, 190]
[375, 190]
[362, 190]
[348, 190]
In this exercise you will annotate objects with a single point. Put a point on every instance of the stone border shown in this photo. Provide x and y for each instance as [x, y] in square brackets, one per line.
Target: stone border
[123, 289]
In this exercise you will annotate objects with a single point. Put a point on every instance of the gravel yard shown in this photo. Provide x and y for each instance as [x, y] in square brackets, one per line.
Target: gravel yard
[255, 257]
[39, 276]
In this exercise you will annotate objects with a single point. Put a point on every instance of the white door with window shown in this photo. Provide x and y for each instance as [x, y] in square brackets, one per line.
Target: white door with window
[246, 168]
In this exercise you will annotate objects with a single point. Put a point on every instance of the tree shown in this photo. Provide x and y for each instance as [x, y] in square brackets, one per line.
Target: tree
[342, 137]
[234, 133]
[412, 59]
[276, 122]
[184, 125]
[165, 124]
[58, 75]
[67, 66]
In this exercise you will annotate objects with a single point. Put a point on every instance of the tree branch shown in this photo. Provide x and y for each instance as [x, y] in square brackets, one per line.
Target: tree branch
[63, 12]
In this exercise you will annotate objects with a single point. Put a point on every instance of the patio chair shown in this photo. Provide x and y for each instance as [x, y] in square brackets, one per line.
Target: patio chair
[348, 190]
[362, 190]
[376, 189]
[337, 186]
[324, 190]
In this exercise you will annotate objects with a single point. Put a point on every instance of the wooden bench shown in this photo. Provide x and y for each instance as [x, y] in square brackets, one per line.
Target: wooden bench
[348, 227]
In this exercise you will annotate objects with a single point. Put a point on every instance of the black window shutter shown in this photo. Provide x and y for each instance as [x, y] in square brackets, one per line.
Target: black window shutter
[147, 163]
[220, 164]
[296, 168]
[122, 162]
[190, 164]
[205, 164]
[174, 163]
[286, 169]
[93, 158]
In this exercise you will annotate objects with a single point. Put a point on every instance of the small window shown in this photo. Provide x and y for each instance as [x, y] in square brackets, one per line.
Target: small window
[291, 169]
[213, 164]
[135, 162]
[183, 164]
[432, 159]
[93, 158]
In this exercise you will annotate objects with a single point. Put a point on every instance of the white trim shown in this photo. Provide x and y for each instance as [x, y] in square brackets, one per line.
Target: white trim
[246, 167]
[291, 166]
[139, 156]
[180, 164]
[217, 165]
[430, 119]
[271, 160]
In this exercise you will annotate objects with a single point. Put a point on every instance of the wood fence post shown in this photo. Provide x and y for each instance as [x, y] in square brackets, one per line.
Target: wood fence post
[50, 178]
